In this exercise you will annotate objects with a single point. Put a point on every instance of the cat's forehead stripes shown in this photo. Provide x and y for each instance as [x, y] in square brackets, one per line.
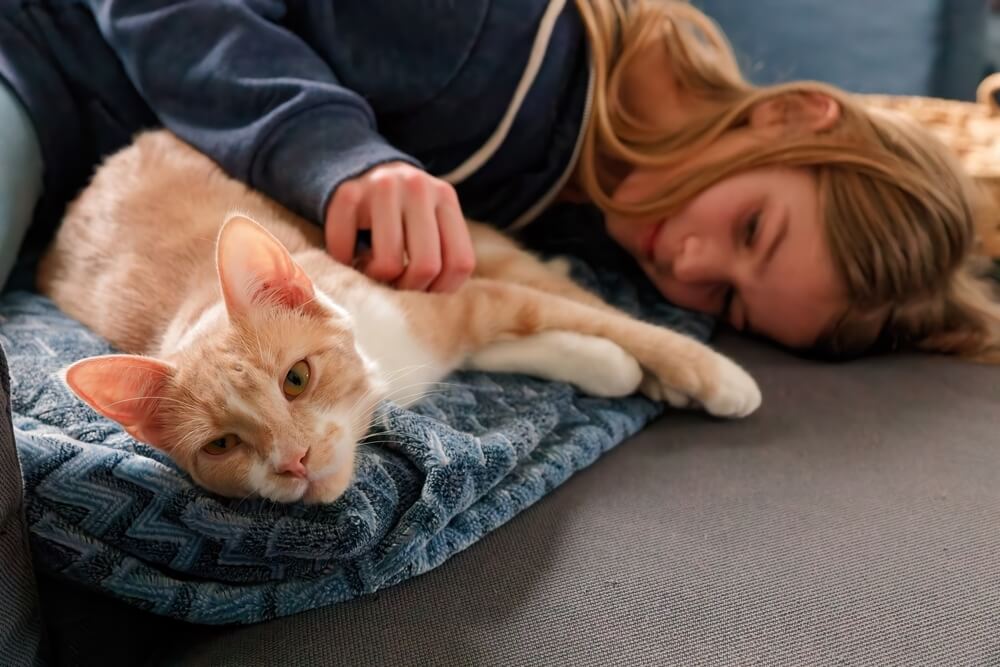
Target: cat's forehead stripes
[247, 379]
[251, 393]
[240, 404]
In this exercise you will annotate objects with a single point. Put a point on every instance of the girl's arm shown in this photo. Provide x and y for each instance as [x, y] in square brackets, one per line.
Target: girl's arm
[227, 78]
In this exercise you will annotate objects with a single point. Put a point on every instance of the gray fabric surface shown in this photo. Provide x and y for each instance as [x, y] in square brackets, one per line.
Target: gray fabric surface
[20, 619]
[853, 521]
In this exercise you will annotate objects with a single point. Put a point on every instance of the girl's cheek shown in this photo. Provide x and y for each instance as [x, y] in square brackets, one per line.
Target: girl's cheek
[635, 187]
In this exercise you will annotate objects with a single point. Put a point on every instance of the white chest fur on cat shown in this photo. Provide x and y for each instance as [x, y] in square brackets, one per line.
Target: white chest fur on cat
[406, 365]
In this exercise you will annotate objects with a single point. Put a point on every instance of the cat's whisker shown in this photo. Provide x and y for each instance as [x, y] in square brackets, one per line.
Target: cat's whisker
[411, 398]
[388, 380]
[442, 383]
[372, 428]
[422, 393]
[369, 421]
[376, 434]
[433, 387]
[364, 396]
[371, 432]
[378, 442]
[367, 394]
[242, 500]
[405, 370]
[400, 398]
[408, 369]
[429, 382]
[373, 437]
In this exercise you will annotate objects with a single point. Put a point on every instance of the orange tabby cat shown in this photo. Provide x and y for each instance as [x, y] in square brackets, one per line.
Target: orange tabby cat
[263, 359]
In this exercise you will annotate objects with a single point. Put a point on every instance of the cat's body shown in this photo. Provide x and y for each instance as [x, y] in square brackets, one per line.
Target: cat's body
[265, 386]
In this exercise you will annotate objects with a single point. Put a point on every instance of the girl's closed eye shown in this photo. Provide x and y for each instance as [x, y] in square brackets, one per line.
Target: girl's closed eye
[748, 233]
[728, 293]
[750, 228]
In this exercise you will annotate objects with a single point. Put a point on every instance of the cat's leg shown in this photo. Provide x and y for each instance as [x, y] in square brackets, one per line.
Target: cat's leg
[486, 312]
[500, 258]
[595, 365]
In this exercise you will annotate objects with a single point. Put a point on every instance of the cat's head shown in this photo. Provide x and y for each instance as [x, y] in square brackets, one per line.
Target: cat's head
[270, 395]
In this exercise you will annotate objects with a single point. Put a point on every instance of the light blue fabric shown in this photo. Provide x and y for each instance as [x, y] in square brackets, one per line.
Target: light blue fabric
[118, 516]
[20, 177]
[904, 47]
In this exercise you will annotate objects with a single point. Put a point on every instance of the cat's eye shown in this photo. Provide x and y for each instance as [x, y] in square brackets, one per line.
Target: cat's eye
[222, 445]
[296, 379]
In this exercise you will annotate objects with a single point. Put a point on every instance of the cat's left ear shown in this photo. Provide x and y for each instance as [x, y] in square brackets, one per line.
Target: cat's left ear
[126, 388]
[256, 270]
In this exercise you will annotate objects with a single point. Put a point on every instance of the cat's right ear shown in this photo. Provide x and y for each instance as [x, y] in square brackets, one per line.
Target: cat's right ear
[255, 269]
[126, 388]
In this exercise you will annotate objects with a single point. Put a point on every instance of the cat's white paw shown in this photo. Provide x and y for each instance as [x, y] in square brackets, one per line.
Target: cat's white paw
[602, 368]
[731, 391]
[736, 394]
[654, 389]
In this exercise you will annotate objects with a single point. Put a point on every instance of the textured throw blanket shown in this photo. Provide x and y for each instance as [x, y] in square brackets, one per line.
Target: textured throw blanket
[118, 516]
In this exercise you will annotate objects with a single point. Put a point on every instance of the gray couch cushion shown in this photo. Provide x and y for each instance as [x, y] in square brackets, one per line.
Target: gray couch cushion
[853, 521]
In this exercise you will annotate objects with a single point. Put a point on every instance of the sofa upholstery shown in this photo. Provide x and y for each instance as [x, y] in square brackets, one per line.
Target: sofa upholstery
[852, 521]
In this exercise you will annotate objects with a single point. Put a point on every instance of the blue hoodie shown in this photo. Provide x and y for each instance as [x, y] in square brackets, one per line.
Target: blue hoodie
[293, 97]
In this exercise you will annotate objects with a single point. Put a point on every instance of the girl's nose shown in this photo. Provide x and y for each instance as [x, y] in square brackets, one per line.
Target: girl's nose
[699, 261]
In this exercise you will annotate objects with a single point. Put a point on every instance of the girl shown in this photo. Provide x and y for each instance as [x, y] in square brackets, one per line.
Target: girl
[790, 211]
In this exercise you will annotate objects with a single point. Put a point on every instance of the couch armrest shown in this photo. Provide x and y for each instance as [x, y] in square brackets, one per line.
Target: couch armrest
[902, 47]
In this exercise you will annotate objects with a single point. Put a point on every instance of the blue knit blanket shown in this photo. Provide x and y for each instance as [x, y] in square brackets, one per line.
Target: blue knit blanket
[120, 517]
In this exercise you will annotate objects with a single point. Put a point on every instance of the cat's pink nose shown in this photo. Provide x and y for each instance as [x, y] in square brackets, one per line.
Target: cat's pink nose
[293, 466]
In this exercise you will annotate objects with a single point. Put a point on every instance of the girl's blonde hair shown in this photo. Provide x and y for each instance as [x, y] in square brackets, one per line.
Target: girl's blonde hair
[900, 214]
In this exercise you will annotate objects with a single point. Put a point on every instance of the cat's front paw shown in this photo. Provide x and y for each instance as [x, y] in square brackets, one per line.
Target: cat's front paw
[602, 368]
[725, 389]
[735, 393]
[655, 389]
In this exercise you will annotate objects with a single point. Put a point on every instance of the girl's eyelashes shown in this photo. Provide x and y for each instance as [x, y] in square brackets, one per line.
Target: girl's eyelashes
[750, 230]
[747, 235]
[727, 302]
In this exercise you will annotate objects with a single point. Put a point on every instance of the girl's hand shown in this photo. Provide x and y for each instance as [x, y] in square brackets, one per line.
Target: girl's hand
[420, 240]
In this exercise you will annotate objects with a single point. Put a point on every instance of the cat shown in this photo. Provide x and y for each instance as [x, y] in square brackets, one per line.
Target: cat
[256, 361]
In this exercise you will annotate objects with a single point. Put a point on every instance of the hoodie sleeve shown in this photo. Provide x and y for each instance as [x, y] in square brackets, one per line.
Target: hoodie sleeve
[226, 77]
